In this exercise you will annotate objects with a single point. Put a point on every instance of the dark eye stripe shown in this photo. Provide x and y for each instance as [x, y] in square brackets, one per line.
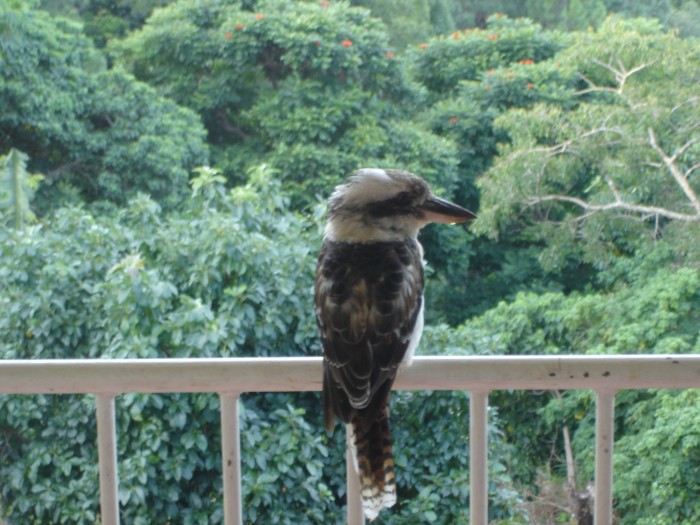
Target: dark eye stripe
[400, 204]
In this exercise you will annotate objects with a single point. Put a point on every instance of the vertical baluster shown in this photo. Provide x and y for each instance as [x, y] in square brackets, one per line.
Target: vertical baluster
[231, 458]
[604, 439]
[107, 458]
[354, 498]
[478, 458]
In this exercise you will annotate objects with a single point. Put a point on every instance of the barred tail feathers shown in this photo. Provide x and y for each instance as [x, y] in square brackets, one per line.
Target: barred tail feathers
[374, 461]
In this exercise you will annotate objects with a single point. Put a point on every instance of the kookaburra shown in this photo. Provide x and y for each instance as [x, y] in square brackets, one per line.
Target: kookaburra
[369, 308]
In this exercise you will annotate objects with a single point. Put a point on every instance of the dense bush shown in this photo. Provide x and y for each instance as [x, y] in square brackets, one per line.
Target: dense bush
[95, 134]
[218, 278]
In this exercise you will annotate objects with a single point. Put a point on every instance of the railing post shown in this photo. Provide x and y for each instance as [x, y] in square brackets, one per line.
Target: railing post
[356, 515]
[231, 458]
[107, 459]
[478, 458]
[604, 440]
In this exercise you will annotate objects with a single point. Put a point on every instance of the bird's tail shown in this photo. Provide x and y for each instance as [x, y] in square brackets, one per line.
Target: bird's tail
[374, 460]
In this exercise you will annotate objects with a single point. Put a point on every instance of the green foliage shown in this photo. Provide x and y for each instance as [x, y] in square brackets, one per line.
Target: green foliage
[104, 19]
[473, 76]
[313, 91]
[574, 179]
[294, 95]
[91, 131]
[660, 451]
[686, 19]
[655, 311]
[412, 22]
[218, 278]
[571, 15]
[442, 63]
[308, 88]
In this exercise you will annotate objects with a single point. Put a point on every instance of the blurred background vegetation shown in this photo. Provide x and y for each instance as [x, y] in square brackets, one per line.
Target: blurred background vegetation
[163, 180]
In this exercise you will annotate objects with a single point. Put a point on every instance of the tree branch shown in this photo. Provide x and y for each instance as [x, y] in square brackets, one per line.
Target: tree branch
[616, 205]
[691, 170]
[563, 147]
[613, 188]
[670, 163]
[646, 212]
[226, 124]
[621, 74]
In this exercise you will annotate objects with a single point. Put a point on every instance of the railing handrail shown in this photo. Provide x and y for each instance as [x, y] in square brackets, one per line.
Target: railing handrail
[230, 377]
[297, 374]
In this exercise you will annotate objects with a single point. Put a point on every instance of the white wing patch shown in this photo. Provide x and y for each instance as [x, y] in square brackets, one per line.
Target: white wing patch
[414, 339]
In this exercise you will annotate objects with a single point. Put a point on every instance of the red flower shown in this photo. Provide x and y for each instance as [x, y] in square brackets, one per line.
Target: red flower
[324, 4]
[526, 61]
[347, 43]
[453, 120]
[389, 54]
[228, 35]
[493, 36]
[259, 16]
[423, 46]
[239, 27]
[529, 85]
[455, 35]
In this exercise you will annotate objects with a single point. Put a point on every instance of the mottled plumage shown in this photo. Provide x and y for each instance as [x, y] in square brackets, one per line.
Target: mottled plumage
[369, 307]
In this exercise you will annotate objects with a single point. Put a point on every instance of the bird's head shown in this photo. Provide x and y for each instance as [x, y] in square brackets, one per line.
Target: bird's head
[386, 205]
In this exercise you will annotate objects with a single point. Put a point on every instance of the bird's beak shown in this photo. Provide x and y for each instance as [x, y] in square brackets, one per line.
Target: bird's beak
[439, 210]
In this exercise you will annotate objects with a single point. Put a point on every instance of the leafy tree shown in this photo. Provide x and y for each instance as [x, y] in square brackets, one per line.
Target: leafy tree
[96, 134]
[654, 311]
[311, 89]
[315, 91]
[412, 22]
[472, 76]
[581, 14]
[661, 452]
[648, 8]
[104, 19]
[604, 180]
[686, 19]
[467, 55]
[567, 14]
[594, 182]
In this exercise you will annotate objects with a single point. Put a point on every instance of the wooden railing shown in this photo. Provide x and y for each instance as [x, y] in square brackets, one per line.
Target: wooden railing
[231, 377]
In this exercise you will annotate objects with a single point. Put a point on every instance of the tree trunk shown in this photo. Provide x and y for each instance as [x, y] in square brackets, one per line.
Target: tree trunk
[581, 502]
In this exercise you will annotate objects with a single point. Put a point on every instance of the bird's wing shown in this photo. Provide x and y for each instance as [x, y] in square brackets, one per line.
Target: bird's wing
[368, 299]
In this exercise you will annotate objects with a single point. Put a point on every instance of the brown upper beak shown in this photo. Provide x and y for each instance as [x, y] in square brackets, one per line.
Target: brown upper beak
[436, 209]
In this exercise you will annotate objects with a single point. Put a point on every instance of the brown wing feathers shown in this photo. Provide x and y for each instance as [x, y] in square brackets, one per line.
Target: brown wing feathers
[368, 297]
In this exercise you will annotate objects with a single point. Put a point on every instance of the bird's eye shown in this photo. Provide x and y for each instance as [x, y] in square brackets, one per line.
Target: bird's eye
[399, 204]
[403, 197]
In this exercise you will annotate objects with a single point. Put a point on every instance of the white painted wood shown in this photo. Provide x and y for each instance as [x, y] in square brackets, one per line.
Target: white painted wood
[231, 458]
[356, 515]
[296, 374]
[232, 376]
[107, 458]
[604, 440]
[478, 458]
